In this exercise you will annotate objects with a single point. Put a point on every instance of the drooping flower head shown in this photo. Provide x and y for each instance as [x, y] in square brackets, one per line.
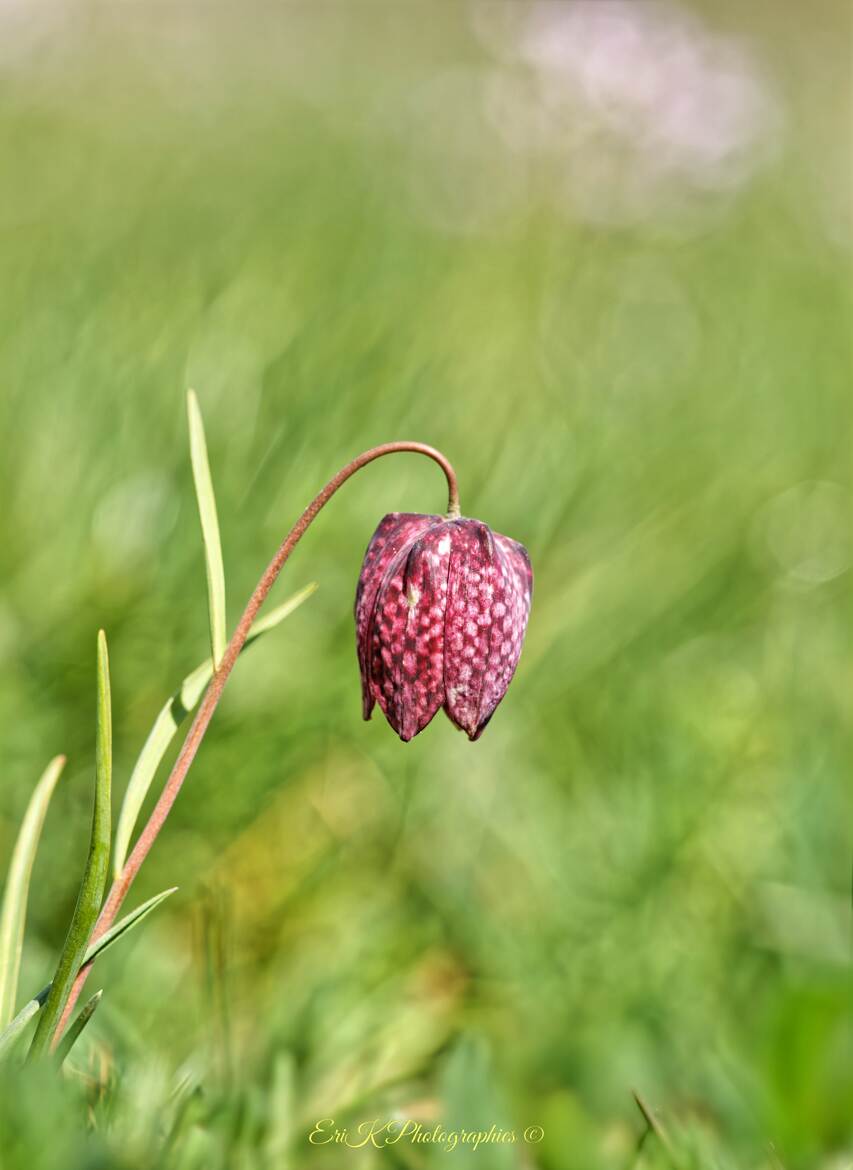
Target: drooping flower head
[441, 610]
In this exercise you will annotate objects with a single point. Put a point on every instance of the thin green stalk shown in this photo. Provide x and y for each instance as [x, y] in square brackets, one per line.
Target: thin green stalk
[94, 875]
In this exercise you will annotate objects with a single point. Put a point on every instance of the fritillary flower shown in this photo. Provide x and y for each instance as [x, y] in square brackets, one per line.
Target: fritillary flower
[441, 611]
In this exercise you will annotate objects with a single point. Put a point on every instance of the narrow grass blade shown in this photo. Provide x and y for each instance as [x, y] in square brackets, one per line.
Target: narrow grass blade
[171, 715]
[125, 924]
[71, 1036]
[655, 1126]
[11, 1033]
[94, 875]
[279, 613]
[14, 911]
[209, 530]
[16, 1027]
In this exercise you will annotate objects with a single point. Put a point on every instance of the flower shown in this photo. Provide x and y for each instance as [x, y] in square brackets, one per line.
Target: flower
[441, 610]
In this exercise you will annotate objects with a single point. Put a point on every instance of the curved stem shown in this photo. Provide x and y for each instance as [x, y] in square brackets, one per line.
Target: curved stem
[121, 885]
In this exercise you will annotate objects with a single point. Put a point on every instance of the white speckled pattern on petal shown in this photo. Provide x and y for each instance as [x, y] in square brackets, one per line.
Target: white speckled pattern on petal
[489, 594]
[407, 641]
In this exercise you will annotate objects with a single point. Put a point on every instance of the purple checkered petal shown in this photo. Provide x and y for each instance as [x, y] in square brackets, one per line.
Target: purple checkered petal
[396, 532]
[407, 663]
[488, 604]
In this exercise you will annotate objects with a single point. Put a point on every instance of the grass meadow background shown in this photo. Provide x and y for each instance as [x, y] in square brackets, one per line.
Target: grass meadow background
[599, 254]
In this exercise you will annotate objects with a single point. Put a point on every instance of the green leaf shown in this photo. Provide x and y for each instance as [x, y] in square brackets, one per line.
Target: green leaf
[209, 530]
[11, 1033]
[125, 924]
[94, 875]
[171, 715]
[279, 613]
[169, 719]
[70, 1038]
[14, 912]
[16, 1027]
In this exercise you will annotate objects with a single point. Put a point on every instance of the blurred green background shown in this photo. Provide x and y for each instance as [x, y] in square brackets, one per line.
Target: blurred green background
[599, 254]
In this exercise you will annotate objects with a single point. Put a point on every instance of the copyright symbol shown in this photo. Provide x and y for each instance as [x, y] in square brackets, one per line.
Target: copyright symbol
[534, 1134]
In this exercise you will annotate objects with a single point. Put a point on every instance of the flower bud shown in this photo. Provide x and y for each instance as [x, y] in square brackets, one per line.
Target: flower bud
[441, 610]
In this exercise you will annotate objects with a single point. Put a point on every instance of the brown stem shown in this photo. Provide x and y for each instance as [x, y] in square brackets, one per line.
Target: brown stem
[121, 885]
